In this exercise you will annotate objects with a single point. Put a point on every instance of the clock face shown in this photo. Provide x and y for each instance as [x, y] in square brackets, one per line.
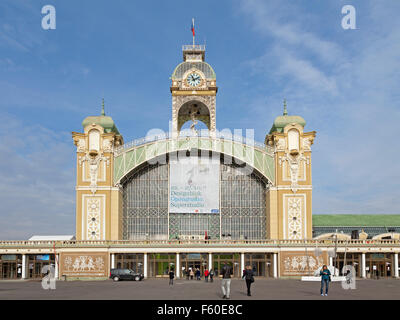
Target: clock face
[193, 79]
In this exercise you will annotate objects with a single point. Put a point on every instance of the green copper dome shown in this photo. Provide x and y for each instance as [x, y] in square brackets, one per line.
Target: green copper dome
[281, 122]
[105, 121]
[183, 67]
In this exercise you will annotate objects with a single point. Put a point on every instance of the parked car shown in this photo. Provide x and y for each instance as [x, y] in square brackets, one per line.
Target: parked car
[125, 274]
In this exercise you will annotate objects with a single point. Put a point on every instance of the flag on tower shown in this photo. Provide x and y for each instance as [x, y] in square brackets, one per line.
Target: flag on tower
[192, 27]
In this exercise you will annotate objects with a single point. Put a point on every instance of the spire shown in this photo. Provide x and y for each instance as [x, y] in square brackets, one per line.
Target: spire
[102, 108]
[284, 107]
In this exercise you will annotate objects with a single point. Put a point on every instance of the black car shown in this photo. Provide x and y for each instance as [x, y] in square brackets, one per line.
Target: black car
[125, 274]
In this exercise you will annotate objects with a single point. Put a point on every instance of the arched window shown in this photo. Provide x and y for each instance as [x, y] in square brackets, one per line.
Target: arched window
[145, 207]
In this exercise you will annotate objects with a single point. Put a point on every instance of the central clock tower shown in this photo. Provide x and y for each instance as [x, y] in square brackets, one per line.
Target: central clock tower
[193, 89]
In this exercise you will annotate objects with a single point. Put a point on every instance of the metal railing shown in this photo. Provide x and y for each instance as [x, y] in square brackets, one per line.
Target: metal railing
[217, 135]
[193, 47]
[171, 243]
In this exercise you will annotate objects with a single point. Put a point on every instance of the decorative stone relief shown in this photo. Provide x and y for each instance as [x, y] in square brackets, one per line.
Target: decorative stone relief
[307, 144]
[294, 164]
[81, 146]
[93, 164]
[280, 145]
[84, 264]
[93, 219]
[107, 145]
[194, 57]
[295, 218]
[300, 263]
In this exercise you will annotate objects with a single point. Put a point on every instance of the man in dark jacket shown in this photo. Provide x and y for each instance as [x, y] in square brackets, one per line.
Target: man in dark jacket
[171, 277]
[226, 280]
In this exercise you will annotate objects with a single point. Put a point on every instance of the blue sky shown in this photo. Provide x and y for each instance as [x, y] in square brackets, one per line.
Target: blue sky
[345, 83]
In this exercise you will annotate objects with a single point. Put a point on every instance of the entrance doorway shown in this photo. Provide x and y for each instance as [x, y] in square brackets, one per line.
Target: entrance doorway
[160, 264]
[10, 266]
[193, 261]
[37, 262]
[134, 262]
[232, 260]
[261, 264]
[378, 265]
[352, 259]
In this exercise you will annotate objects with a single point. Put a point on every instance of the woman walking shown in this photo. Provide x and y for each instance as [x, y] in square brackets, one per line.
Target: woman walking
[325, 279]
[249, 277]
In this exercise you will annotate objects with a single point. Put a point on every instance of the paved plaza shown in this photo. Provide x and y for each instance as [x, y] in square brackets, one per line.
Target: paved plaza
[155, 289]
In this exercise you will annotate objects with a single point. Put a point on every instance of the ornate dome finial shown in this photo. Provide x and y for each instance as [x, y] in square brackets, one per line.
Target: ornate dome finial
[284, 108]
[102, 108]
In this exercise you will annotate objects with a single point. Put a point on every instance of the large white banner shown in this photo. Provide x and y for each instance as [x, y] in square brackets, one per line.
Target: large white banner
[194, 185]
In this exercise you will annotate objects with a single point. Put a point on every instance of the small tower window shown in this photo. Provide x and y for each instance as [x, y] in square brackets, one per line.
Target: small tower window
[293, 137]
[94, 140]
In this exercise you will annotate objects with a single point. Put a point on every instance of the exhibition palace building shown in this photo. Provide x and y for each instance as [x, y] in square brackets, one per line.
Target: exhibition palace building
[194, 198]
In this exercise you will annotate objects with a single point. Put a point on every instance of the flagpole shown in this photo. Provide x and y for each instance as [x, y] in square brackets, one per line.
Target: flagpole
[193, 32]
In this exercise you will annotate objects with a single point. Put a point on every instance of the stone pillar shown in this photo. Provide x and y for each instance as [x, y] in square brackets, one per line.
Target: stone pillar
[178, 267]
[24, 263]
[112, 260]
[396, 265]
[363, 270]
[56, 265]
[275, 265]
[145, 266]
[330, 261]
[210, 265]
[241, 263]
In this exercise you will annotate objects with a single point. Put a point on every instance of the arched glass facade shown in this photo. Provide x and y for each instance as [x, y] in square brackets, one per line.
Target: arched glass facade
[145, 203]
[145, 207]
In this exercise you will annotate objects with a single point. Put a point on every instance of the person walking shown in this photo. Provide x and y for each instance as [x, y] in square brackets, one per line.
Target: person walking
[325, 279]
[206, 274]
[191, 274]
[198, 274]
[248, 275]
[211, 275]
[226, 280]
[171, 277]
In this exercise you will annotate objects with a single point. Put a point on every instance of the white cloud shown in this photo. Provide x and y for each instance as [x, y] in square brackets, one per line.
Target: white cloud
[351, 100]
[37, 180]
[285, 24]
